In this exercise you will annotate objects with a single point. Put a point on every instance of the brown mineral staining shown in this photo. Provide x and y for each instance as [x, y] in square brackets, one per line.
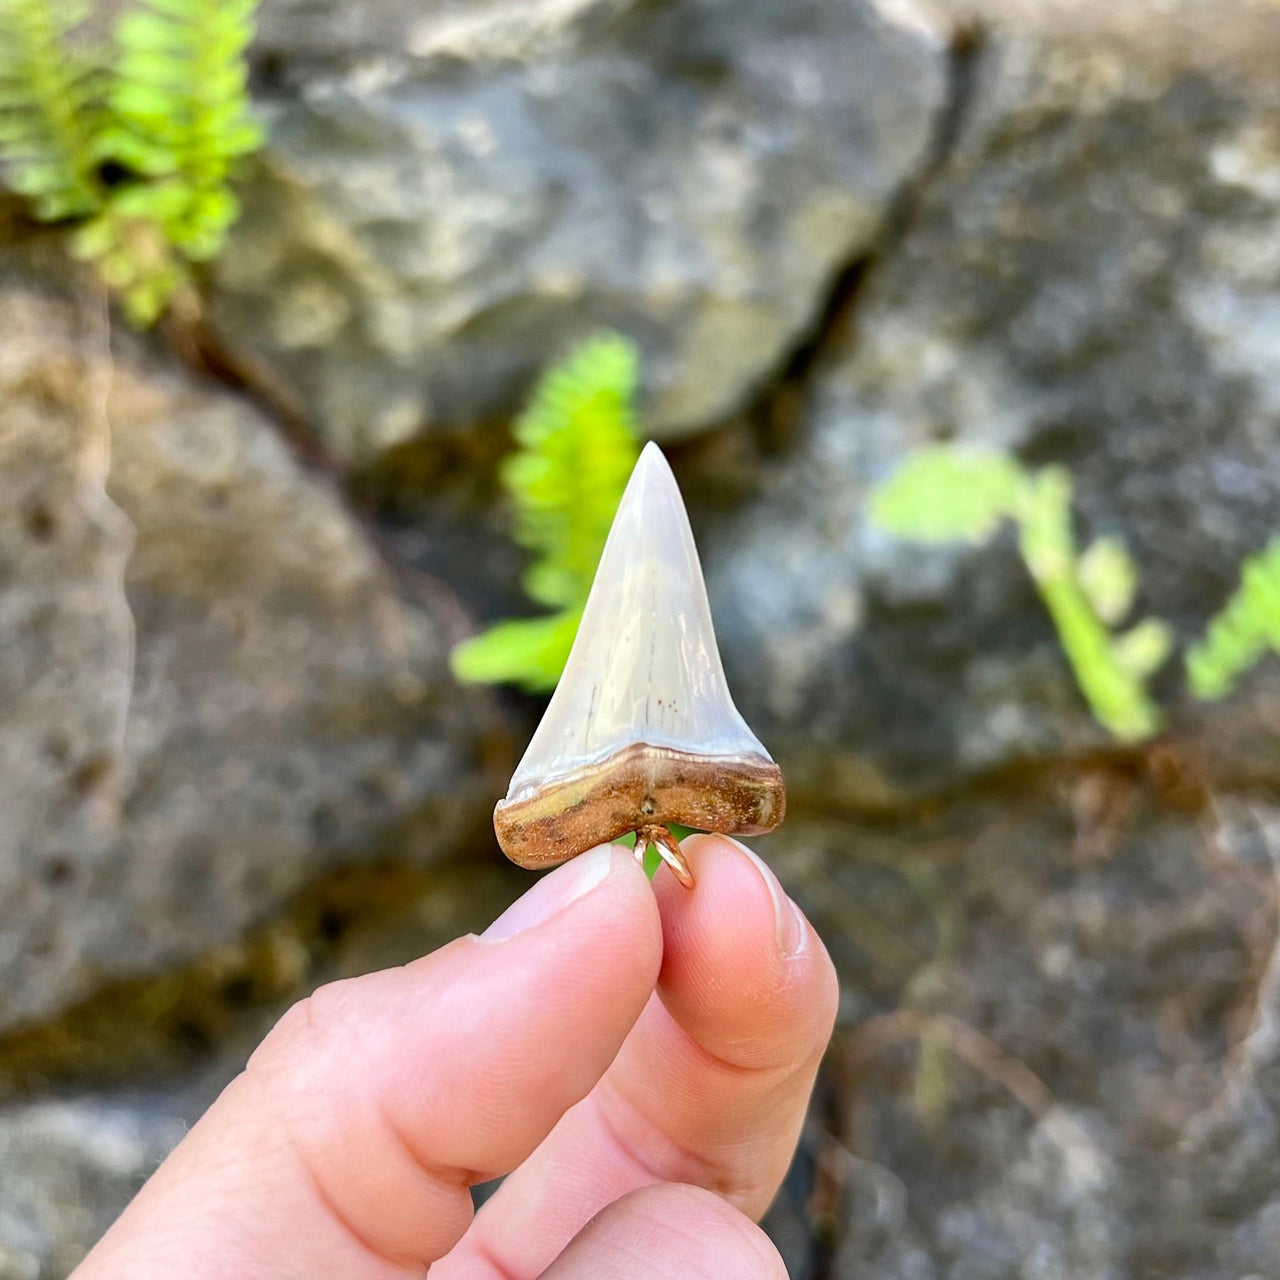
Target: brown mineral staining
[641, 789]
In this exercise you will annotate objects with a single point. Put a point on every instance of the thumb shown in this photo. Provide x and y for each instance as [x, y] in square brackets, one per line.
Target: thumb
[663, 1231]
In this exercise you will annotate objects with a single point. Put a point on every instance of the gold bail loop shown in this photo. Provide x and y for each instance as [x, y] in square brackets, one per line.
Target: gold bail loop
[669, 850]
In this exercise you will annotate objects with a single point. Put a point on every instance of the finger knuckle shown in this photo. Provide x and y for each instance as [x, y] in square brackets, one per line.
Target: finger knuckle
[311, 1030]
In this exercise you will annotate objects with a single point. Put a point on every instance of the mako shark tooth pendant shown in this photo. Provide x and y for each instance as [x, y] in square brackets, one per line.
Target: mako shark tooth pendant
[641, 731]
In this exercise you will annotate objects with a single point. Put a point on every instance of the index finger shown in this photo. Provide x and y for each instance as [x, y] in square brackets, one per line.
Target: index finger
[347, 1147]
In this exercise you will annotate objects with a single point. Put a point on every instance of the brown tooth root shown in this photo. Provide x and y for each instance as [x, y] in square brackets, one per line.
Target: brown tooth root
[669, 848]
[641, 787]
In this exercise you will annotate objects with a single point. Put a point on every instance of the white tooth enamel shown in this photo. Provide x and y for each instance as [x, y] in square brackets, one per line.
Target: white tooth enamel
[645, 667]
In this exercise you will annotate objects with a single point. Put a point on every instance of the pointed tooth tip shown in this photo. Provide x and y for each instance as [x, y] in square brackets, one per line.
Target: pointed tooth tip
[652, 459]
[652, 475]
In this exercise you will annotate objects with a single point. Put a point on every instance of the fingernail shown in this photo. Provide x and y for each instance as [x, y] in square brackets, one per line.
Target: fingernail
[553, 893]
[790, 926]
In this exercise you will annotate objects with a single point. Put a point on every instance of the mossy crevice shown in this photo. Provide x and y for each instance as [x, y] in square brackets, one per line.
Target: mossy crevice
[155, 1027]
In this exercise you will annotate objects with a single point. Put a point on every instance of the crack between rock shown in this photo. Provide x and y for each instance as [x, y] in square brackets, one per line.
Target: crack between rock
[770, 414]
[96, 471]
[163, 1026]
[193, 341]
[772, 407]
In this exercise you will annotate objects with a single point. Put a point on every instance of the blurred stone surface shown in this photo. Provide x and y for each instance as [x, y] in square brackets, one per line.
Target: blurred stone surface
[70, 1164]
[454, 194]
[1058, 1056]
[285, 711]
[67, 1168]
[1092, 279]
[1057, 1047]
[67, 649]
[1239, 36]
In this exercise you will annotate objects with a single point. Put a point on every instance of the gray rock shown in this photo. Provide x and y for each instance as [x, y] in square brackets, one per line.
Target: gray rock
[1192, 31]
[69, 1166]
[451, 197]
[1057, 1047]
[1090, 280]
[67, 651]
[67, 1169]
[285, 711]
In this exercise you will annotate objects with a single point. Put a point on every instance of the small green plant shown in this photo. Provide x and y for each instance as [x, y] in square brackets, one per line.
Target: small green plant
[1245, 630]
[134, 146]
[950, 493]
[577, 444]
[50, 129]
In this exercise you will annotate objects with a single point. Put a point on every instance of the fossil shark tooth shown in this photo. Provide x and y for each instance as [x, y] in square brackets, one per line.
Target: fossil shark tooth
[641, 731]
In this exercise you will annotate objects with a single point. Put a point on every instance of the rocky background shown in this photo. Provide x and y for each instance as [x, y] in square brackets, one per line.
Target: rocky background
[232, 563]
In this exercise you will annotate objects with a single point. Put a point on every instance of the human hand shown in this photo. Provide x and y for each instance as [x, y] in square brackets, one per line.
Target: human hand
[639, 1062]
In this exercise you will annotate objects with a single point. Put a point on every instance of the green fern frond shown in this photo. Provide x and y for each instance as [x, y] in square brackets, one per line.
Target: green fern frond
[1243, 632]
[949, 493]
[172, 113]
[181, 114]
[577, 447]
[1110, 670]
[133, 259]
[529, 652]
[49, 109]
